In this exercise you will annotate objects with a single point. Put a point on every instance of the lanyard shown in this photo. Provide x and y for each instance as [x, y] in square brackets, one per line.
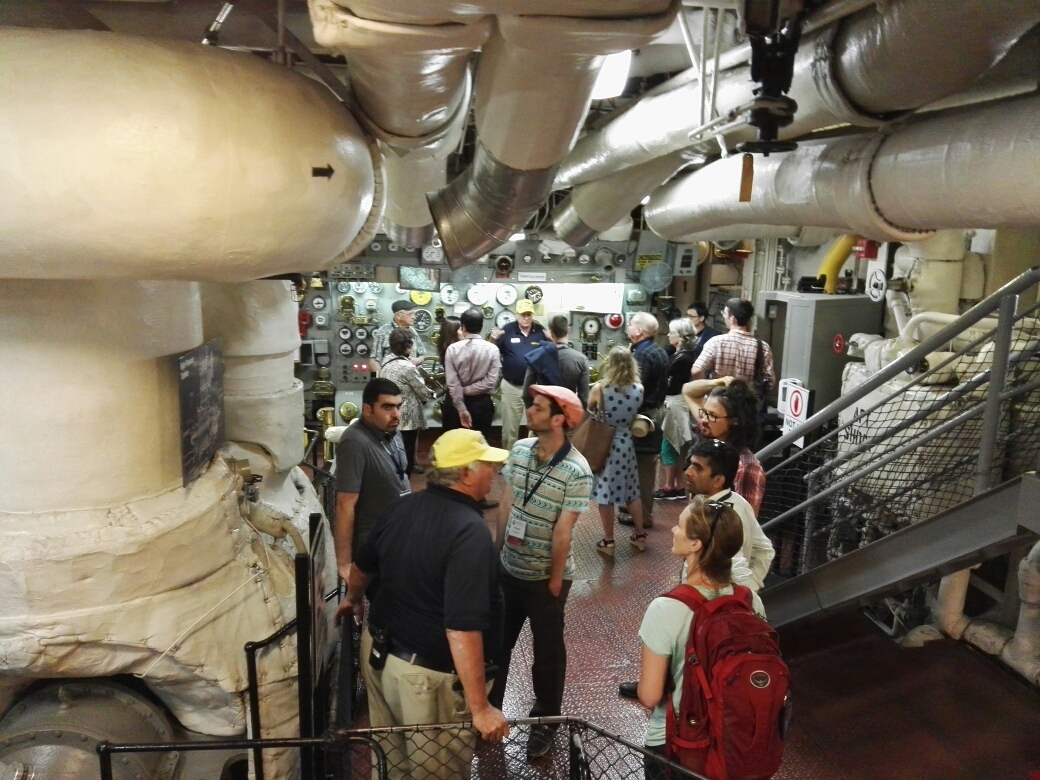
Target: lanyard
[560, 455]
[395, 459]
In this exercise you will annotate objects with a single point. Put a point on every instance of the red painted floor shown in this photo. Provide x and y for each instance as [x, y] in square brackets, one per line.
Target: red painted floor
[865, 708]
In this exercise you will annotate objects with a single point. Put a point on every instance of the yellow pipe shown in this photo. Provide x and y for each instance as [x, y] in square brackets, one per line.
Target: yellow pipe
[835, 259]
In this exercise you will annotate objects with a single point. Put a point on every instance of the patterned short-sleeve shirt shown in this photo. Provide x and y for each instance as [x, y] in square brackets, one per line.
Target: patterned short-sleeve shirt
[565, 488]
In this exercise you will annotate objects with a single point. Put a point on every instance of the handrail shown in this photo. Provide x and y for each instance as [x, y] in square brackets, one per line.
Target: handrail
[977, 312]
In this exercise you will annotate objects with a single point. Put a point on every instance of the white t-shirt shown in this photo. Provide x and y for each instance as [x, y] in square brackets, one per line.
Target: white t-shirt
[751, 564]
[664, 630]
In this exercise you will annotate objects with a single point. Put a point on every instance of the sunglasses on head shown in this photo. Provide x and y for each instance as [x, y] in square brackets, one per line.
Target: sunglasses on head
[717, 506]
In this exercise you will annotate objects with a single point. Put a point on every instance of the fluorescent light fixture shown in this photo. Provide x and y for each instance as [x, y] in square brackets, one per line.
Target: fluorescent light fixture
[644, 201]
[518, 237]
[612, 76]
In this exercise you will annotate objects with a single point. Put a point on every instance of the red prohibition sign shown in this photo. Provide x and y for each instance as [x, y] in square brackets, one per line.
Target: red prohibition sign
[796, 404]
[838, 343]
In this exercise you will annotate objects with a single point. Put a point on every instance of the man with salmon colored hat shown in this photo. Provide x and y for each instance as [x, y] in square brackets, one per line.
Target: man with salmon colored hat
[548, 483]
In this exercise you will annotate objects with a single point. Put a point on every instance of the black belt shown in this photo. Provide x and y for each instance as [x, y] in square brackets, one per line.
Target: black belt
[399, 651]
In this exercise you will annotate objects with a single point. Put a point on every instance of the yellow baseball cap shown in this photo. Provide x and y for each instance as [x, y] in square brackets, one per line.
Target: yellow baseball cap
[524, 306]
[463, 446]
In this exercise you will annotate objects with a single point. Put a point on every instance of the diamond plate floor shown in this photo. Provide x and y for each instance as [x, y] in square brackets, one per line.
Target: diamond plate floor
[865, 709]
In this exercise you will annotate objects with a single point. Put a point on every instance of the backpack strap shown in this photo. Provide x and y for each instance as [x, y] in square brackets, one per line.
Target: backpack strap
[688, 595]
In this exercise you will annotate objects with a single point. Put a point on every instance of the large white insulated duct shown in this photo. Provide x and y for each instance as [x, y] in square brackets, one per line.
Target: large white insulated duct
[412, 83]
[871, 66]
[126, 157]
[978, 168]
[533, 88]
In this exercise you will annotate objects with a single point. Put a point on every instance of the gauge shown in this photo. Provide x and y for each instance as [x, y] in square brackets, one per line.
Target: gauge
[504, 318]
[449, 294]
[391, 247]
[321, 320]
[603, 255]
[361, 333]
[488, 312]
[362, 350]
[533, 293]
[375, 288]
[346, 350]
[345, 334]
[590, 326]
[615, 321]
[432, 254]
[359, 287]
[318, 303]
[370, 304]
[343, 287]
[477, 295]
[528, 258]
[423, 320]
[506, 295]
[584, 258]
[400, 290]
[421, 297]
[376, 246]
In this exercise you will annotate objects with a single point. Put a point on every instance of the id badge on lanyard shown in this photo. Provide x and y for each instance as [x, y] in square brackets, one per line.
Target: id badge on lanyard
[516, 530]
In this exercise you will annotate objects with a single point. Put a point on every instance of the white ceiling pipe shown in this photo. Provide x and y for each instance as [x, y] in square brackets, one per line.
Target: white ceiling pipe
[411, 82]
[976, 169]
[596, 206]
[533, 89]
[168, 160]
[465, 11]
[799, 236]
[869, 67]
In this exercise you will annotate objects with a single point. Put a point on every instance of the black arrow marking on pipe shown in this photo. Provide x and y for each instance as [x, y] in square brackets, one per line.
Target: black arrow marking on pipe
[326, 171]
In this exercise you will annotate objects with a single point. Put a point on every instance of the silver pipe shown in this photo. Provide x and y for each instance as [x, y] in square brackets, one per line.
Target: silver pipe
[684, 27]
[703, 61]
[719, 13]
[977, 312]
[998, 377]
[410, 237]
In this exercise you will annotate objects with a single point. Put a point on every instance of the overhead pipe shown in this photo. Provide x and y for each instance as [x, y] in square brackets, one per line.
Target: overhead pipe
[170, 160]
[799, 236]
[412, 85]
[533, 89]
[974, 169]
[834, 260]
[868, 68]
[1022, 653]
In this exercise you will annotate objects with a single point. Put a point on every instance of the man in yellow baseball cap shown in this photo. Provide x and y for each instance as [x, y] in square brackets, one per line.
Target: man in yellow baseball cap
[462, 447]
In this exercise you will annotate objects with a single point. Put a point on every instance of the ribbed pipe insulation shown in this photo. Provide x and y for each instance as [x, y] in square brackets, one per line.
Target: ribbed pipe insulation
[88, 379]
[975, 169]
[533, 89]
[868, 67]
[168, 160]
[263, 401]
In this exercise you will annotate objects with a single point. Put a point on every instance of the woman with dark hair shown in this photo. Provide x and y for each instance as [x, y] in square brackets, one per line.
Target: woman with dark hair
[706, 537]
[727, 409]
[414, 394]
[446, 336]
[675, 424]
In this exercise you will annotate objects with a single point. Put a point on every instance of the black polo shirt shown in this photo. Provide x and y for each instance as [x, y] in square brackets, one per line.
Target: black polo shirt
[514, 346]
[438, 569]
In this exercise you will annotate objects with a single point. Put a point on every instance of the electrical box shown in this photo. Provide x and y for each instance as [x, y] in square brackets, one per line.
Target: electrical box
[809, 333]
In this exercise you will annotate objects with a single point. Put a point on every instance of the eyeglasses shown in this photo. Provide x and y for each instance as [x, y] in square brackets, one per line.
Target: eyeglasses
[711, 417]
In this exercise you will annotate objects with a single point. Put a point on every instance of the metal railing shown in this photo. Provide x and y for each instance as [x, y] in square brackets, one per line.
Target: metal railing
[953, 416]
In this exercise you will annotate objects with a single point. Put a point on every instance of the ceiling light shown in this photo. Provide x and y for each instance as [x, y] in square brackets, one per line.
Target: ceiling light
[517, 237]
[612, 75]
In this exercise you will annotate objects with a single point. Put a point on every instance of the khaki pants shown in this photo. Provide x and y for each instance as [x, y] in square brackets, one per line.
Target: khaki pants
[513, 413]
[646, 464]
[402, 694]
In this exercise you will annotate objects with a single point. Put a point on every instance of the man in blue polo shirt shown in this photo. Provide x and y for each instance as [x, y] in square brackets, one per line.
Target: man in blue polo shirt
[514, 341]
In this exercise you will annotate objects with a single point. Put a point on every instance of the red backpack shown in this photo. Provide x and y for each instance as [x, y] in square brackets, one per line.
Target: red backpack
[734, 708]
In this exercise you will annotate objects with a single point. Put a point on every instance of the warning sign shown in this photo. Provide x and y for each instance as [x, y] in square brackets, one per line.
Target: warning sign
[799, 409]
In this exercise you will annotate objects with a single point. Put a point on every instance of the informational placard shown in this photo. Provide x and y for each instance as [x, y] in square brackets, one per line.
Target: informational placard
[201, 390]
[798, 409]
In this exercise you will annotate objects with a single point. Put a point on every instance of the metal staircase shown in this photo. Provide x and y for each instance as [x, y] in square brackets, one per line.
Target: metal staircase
[918, 470]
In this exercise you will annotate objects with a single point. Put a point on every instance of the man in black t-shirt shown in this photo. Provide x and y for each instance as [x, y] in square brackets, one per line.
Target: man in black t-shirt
[438, 612]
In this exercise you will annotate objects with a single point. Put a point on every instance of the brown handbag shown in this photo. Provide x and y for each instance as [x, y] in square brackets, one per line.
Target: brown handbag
[592, 438]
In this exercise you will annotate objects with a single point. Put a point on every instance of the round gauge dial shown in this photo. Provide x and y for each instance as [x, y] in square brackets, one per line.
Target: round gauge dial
[477, 295]
[615, 321]
[359, 287]
[362, 350]
[449, 294]
[399, 289]
[346, 350]
[584, 258]
[371, 305]
[603, 255]
[361, 333]
[423, 320]
[590, 326]
[533, 293]
[375, 288]
[318, 303]
[506, 295]
[345, 334]
[343, 287]
[421, 297]
[488, 312]
[321, 320]
[432, 254]
[504, 318]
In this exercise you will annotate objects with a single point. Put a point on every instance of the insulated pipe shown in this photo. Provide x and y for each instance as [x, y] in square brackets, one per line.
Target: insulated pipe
[169, 160]
[533, 89]
[975, 169]
[411, 82]
[834, 260]
[799, 236]
[1023, 652]
[597, 206]
[869, 67]
[908, 331]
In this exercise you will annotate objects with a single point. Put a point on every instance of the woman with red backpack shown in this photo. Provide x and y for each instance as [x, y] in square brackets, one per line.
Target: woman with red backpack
[709, 658]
